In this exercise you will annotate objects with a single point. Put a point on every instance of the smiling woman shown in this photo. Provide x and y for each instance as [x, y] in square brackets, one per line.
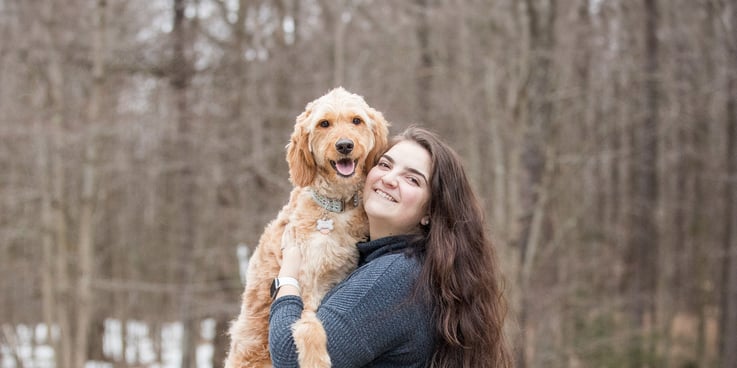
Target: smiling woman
[427, 291]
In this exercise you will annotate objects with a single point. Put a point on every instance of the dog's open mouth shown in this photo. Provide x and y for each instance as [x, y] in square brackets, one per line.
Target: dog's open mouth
[345, 166]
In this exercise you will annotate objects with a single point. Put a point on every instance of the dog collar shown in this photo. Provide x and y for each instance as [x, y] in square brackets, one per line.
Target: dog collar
[331, 204]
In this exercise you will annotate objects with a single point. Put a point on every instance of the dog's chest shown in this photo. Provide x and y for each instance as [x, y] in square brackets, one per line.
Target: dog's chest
[327, 238]
[328, 243]
[345, 228]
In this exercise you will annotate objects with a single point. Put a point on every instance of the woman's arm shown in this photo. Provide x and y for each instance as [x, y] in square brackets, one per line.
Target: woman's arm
[285, 310]
[371, 313]
[363, 317]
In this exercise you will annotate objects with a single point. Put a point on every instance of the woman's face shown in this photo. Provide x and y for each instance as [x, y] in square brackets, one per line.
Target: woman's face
[397, 190]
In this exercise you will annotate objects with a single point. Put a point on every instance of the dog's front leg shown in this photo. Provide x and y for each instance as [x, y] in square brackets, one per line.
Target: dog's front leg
[309, 335]
[311, 341]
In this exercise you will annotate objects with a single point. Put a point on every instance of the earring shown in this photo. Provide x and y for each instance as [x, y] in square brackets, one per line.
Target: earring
[424, 221]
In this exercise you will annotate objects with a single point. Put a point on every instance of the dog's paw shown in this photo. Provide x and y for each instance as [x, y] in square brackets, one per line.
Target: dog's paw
[288, 238]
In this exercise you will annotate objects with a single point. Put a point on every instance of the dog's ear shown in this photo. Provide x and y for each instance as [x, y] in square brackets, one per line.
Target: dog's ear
[302, 166]
[381, 135]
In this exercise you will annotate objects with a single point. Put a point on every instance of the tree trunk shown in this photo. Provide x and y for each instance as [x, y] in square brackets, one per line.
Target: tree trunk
[63, 346]
[591, 185]
[642, 256]
[425, 65]
[339, 26]
[473, 131]
[499, 195]
[184, 182]
[728, 333]
[535, 152]
[48, 279]
[86, 252]
[256, 129]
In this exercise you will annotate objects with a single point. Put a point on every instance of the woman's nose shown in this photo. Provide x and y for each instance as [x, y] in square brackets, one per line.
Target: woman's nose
[389, 179]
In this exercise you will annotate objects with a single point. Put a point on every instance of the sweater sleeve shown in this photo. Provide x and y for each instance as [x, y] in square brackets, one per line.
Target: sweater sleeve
[364, 317]
[284, 312]
[371, 313]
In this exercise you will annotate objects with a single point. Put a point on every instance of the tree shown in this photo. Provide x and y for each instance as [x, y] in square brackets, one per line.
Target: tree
[184, 189]
[642, 256]
[536, 160]
[728, 323]
[86, 252]
[425, 65]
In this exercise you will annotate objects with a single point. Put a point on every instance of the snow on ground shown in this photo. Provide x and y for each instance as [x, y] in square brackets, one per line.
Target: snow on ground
[31, 345]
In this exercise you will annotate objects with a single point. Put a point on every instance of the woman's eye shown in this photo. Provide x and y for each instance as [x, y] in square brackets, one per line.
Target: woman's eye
[357, 121]
[413, 180]
[324, 123]
[383, 164]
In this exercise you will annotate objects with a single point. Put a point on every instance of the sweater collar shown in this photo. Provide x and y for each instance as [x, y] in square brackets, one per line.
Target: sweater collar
[373, 249]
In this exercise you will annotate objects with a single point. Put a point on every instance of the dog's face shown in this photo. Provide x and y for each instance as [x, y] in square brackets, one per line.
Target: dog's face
[338, 137]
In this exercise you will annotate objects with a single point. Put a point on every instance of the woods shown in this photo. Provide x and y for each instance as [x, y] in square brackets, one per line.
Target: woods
[142, 141]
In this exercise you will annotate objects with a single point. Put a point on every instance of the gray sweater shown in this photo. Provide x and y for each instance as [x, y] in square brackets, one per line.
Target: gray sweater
[370, 318]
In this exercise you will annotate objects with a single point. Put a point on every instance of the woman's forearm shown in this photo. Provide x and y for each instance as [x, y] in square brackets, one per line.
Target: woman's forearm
[284, 312]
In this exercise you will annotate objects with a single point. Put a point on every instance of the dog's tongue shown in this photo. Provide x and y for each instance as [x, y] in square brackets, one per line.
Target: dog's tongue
[345, 166]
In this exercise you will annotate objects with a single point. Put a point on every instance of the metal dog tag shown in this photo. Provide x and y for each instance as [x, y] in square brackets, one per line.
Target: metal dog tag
[324, 226]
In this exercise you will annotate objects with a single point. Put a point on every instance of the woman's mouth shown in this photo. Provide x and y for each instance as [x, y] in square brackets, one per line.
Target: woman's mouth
[385, 195]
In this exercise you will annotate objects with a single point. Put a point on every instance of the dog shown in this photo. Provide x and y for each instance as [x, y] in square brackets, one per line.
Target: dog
[336, 141]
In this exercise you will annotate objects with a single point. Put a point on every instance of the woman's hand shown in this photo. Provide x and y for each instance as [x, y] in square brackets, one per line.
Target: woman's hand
[291, 261]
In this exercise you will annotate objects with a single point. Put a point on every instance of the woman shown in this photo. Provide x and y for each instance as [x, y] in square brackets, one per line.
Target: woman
[427, 291]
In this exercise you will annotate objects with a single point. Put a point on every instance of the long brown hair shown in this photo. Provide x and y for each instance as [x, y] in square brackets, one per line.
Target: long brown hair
[460, 274]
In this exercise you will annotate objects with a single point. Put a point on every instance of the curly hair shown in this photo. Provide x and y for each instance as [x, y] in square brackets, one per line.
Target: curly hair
[460, 275]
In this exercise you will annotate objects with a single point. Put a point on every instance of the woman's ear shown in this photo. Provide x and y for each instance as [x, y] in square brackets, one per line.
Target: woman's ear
[302, 166]
[380, 129]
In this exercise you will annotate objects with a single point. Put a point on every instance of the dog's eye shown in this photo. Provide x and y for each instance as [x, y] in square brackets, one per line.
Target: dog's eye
[324, 123]
[357, 121]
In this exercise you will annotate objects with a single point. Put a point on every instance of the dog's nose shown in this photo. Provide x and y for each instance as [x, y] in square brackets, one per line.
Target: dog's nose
[344, 146]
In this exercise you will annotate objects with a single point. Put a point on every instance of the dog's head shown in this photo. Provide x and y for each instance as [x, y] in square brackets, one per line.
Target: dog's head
[338, 137]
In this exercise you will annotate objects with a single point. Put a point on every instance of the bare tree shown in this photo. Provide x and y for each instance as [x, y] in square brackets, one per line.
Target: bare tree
[86, 252]
[425, 65]
[728, 322]
[62, 250]
[183, 179]
[643, 242]
[535, 161]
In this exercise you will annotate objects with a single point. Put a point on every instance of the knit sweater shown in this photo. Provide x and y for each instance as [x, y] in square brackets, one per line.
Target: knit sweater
[371, 319]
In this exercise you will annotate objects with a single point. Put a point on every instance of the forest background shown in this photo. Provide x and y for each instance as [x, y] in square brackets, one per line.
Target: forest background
[142, 141]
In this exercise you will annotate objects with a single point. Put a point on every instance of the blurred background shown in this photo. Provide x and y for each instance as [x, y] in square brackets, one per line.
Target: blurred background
[142, 154]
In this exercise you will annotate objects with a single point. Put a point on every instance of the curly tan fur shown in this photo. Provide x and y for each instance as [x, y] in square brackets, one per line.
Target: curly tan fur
[327, 258]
